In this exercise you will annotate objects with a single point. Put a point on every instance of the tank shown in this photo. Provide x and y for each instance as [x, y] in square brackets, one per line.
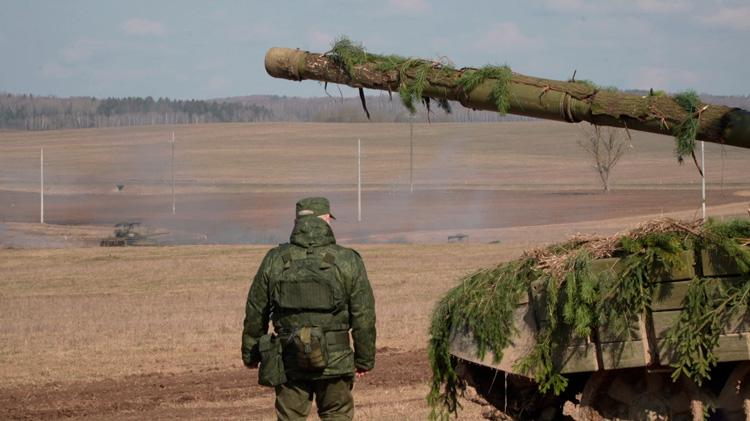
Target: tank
[649, 331]
[655, 327]
[127, 234]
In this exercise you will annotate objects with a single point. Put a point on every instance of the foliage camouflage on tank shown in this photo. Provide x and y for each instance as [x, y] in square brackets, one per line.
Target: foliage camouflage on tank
[589, 287]
[498, 88]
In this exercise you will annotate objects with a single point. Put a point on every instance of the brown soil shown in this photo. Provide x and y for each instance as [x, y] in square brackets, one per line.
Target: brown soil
[82, 206]
[511, 216]
[169, 396]
[429, 215]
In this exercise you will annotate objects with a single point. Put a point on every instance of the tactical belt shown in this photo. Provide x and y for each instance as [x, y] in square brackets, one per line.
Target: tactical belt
[337, 337]
[333, 337]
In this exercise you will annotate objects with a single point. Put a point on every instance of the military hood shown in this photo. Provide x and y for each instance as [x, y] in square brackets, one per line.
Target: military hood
[311, 231]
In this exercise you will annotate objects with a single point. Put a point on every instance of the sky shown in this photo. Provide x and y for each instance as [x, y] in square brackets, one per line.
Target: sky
[182, 49]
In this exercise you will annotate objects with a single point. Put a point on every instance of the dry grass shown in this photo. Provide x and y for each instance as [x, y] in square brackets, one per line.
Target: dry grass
[409, 279]
[98, 312]
[92, 313]
[252, 157]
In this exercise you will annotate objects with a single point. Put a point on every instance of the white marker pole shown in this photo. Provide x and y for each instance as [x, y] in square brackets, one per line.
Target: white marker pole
[359, 182]
[703, 170]
[411, 155]
[173, 206]
[41, 189]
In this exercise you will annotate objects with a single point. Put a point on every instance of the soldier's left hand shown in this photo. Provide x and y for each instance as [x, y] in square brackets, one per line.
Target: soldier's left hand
[360, 372]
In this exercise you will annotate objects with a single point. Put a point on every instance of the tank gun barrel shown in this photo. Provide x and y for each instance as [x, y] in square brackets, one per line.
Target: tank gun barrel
[528, 96]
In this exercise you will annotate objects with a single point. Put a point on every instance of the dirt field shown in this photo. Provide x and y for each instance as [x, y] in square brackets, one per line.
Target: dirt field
[515, 186]
[429, 216]
[236, 183]
[229, 393]
[153, 332]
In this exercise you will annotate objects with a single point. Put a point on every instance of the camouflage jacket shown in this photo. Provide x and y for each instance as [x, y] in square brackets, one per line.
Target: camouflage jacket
[314, 235]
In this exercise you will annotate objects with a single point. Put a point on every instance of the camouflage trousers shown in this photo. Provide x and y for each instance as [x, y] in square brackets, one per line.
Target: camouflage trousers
[333, 398]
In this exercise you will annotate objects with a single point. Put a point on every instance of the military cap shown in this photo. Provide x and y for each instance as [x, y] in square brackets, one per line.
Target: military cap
[313, 206]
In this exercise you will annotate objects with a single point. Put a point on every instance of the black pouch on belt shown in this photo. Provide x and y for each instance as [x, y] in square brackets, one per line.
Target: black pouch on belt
[271, 371]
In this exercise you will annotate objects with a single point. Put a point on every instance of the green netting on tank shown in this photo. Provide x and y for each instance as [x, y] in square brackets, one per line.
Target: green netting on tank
[580, 299]
[349, 54]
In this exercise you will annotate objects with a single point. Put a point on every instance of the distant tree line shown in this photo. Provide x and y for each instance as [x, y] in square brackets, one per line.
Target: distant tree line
[382, 109]
[28, 112]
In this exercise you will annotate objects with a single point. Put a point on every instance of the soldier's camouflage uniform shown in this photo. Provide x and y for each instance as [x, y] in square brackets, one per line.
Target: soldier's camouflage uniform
[331, 386]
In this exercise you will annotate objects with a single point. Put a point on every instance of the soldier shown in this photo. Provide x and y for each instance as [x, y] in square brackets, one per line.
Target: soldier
[315, 293]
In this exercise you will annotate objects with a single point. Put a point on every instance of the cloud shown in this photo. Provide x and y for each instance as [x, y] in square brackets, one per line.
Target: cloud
[409, 7]
[738, 19]
[663, 78]
[220, 15]
[506, 36]
[590, 7]
[210, 64]
[87, 50]
[217, 84]
[138, 26]
[53, 69]
[319, 41]
[83, 49]
[660, 6]
[565, 4]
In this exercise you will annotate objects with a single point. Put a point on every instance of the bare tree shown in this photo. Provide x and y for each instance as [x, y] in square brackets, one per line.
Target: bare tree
[606, 145]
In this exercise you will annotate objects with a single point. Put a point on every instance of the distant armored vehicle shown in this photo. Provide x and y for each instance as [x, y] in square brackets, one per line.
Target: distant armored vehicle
[126, 234]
